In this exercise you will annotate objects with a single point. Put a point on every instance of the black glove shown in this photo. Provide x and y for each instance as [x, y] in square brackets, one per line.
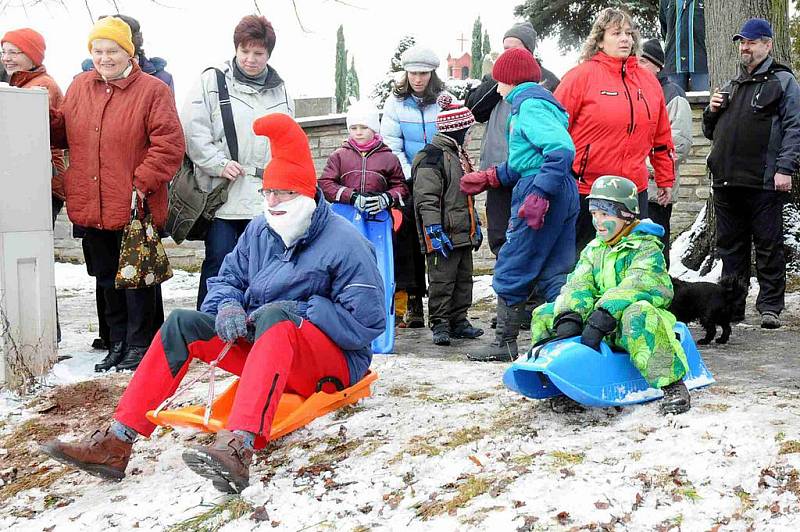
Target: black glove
[598, 325]
[568, 324]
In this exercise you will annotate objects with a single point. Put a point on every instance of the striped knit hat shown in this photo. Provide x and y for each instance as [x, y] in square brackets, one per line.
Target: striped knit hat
[452, 117]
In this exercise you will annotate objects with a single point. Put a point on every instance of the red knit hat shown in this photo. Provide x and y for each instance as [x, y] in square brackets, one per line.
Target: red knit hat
[515, 66]
[30, 42]
[290, 166]
[452, 117]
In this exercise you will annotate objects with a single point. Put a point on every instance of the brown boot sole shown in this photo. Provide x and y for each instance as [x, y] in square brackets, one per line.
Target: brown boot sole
[97, 470]
[209, 467]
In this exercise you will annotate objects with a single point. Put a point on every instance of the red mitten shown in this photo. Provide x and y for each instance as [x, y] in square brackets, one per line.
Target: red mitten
[476, 182]
[533, 210]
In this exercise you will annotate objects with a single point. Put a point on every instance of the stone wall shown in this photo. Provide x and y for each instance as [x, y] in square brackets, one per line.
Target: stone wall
[325, 134]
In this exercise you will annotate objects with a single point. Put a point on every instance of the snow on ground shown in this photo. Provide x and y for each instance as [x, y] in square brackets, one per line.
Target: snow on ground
[442, 445]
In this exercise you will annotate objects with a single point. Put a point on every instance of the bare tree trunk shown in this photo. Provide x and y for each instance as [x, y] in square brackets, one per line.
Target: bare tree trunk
[724, 19]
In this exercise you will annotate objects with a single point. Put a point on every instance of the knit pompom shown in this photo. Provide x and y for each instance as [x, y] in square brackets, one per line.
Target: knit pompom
[444, 100]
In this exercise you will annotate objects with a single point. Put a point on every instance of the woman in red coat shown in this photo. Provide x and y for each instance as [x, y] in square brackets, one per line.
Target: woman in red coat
[124, 138]
[617, 116]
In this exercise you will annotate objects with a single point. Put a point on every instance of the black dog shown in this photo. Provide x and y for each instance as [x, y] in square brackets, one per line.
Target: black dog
[710, 304]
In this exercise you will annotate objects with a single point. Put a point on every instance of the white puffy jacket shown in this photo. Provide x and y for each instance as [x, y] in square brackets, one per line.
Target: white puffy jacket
[207, 147]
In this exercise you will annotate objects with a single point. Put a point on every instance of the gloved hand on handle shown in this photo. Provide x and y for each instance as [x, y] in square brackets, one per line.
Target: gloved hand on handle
[476, 182]
[599, 324]
[230, 324]
[376, 203]
[533, 210]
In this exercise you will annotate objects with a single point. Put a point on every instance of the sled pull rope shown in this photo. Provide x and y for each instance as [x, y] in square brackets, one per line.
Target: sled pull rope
[185, 387]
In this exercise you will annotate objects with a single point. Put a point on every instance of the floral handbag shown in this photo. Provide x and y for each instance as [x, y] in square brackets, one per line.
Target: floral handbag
[142, 260]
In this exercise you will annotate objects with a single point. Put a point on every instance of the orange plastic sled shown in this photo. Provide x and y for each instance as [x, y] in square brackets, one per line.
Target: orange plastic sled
[293, 411]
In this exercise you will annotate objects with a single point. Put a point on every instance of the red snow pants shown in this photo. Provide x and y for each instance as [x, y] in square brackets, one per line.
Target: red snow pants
[289, 354]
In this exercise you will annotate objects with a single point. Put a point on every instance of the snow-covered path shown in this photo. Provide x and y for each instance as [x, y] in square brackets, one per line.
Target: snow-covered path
[441, 445]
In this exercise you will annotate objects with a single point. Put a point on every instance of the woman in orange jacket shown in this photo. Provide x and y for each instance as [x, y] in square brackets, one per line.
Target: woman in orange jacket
[617, 116]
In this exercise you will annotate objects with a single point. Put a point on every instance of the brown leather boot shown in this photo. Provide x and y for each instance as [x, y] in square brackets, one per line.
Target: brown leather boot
[226, 463]
[102, 455]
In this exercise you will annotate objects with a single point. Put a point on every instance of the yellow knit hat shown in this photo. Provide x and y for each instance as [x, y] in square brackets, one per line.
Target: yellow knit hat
[114, 29]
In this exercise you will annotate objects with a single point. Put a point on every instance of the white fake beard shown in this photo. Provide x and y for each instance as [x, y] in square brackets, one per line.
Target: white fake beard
[296, 220]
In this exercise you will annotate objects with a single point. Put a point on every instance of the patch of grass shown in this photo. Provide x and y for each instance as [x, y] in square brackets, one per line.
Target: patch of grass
[464, 437]
[690, 493]
[717, 407]
[371, 447]
[41, 478]
[779, 437]
[347, 411]
[422, 445]
[636, 455]
[399, 390]
[214, 519]
[790, 447]
[746, 500]
[469, 489]
[428, 398]
[526, 460]
[563, 458]
[335, 452]
[476, 397]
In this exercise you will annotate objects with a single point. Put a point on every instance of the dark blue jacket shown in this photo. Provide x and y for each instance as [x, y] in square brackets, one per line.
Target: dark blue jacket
[332, 268]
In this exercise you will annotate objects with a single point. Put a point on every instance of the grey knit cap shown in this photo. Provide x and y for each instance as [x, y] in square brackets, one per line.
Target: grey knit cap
[419, 58]
[524, 32]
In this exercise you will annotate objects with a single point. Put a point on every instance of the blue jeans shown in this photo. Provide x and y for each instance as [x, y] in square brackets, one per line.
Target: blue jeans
[220, 240]
[697, 81]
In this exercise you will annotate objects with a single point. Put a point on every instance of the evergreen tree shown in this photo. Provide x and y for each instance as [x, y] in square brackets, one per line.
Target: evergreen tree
[353, 88]
[572, 21]
[476, 69]
[384, 88]
[340, 74]
[487, 45]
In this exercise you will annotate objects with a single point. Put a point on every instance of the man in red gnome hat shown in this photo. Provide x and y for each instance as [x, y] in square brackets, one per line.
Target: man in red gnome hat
[295, 303]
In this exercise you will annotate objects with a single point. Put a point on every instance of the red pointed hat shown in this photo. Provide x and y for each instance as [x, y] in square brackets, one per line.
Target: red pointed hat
[290, 166]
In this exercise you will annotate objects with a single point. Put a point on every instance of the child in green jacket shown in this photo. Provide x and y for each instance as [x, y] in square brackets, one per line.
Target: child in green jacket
[620, 289]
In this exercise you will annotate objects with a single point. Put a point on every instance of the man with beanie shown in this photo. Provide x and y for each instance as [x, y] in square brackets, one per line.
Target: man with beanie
[293, 305]
[447, 223]
[680, 120]
[754, 123]
[540, 246]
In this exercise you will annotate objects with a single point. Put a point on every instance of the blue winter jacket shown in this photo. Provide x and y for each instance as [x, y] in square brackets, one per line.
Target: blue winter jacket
[540, 150]
[406, 128]
[332, 268]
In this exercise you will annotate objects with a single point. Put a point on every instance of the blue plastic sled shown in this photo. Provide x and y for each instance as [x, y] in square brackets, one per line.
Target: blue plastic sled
[378, 230]
[595, 379]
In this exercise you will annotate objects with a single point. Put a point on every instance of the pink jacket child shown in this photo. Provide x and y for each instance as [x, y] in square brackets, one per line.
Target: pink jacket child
[364, 172]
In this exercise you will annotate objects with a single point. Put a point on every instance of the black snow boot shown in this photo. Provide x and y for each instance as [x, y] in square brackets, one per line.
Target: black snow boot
[464, 329]
[133, 356]
[441, 333]
[115, 353]
[504, 346]
[676, 399]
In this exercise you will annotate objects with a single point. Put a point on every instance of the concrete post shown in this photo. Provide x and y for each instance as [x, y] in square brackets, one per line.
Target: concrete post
[27, 287]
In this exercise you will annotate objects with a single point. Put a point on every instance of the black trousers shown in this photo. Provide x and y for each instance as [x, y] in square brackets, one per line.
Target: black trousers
[57, 204]
[132, 316]
[584, 230]
[449, 286]
[746, 217]
[409, 262]
[498, 212]
[661, 216]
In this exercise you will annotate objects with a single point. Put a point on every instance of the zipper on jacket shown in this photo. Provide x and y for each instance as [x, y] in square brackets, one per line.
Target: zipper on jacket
[641, 97]
[584, 162]
[628, 94]
[422, 113]
[363, 170]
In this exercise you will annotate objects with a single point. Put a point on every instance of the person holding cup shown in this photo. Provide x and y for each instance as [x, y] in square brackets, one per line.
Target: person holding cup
[754, 122]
